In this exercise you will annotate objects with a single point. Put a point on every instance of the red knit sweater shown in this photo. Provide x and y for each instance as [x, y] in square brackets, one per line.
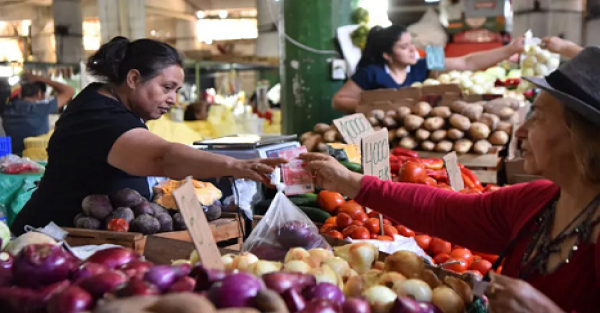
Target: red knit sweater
[487, 223]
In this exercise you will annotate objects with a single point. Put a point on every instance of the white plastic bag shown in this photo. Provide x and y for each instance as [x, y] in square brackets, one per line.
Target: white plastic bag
[283, 227]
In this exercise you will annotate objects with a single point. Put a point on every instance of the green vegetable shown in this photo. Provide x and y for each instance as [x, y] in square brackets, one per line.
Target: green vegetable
[315, 214]
[355, 167]
[360, 16]
[310, 201]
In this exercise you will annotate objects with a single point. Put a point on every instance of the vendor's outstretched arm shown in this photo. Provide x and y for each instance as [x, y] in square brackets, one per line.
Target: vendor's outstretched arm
[347, 99]
[484, 59]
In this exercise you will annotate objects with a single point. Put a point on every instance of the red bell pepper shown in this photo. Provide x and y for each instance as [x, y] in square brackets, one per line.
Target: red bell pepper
[472, 177]
[433, 163]
[441, 176]
[490, 188]
[469, 184]
[398, 151]
[395, 167]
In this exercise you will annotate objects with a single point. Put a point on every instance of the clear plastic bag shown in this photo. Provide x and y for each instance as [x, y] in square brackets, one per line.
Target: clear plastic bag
[283, 227]
[13, 164]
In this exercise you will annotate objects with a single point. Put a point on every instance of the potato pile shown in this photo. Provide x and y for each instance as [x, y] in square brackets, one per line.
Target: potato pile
[322, 134]
[462, 127]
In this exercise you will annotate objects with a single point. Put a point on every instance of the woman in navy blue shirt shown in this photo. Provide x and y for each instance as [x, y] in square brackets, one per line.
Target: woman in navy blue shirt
[390, 61]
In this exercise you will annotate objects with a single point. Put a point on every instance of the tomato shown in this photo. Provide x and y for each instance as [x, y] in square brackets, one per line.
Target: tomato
[357, 223]
[390, 231]
[330, 201]
[351, 208]
[438, 246]
[423, 241]
[477, 258]
[372, 225]
[335, 234]
[441, 258]
[361, 216]
[343, 220]
[444, 186]
[460, 267]
[360, 233]
[490, 257]
[470, 191]
[385, 238]
[428, 181]
[412, 172]
[348, 230]
[386, 222]
[118, 224]
[331, 221]
[327, 227]
[405, 231]
[462, 254]
[374, 236]
[482, 266]
[373, 214]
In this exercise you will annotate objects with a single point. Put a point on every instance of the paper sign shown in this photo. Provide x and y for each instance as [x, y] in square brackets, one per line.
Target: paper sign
[297, 179]
[376, 155]
[454, 174]
[436, 59]
[353, 128]
[197, 225]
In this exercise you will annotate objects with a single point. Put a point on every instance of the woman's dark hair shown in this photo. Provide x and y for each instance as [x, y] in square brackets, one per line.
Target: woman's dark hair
[379, 41]
[116, 58]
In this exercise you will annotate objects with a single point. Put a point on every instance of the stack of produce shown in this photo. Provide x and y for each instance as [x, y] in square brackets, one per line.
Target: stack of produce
[537, 61]
[322, 134]
[462, 127]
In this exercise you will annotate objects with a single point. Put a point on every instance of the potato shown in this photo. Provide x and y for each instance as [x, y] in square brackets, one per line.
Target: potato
[312, 142]
[463, 146]
[490, 120]
[377, 128]
[389, 122]
[378, 114]
[421, 109]
[373, 121]
[438, 135]
[499, 108]
[460, 122]
[392, 113]
[479, 131]
[457, 106]
[391, 135]
[408, 143]
[403, 112]
[506, 114]
[413, 122]
[305, 136]
[443, 112]
[443, 146]
[330, 135]
[321, 128]
[401, 132]
[427, 145]
[472, 111]
[433, 123]
[182, 302]
[422, 134]
[322, 147]
[512, 103]
[482, 147]
[499, 138]
[455, 134]
[505, 127]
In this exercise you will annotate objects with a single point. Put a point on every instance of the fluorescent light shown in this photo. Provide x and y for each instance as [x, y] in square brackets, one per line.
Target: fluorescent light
[223, 14]
[432, 1]
[153, 33]
[200, 14]
[13, 80]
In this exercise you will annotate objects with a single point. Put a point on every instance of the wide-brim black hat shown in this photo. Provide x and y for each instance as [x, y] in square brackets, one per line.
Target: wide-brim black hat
[576, 83]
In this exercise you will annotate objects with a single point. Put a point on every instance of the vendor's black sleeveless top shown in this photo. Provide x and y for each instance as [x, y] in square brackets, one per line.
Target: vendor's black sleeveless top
[77, 160]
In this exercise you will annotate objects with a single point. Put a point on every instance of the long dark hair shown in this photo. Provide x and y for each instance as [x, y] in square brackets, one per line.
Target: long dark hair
[379, 41]
[113, 61]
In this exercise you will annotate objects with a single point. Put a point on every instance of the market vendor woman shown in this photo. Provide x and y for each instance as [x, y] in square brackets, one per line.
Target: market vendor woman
[101, 144]
[390, 61]
[547, 231]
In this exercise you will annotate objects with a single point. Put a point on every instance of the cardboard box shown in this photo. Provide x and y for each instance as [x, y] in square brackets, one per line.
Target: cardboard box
[392, 99]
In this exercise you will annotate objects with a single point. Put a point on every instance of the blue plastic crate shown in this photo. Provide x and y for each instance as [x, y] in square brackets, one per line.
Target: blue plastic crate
[5, 146]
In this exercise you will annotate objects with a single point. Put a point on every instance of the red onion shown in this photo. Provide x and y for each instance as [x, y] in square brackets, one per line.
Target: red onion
[6, 265]
[183, 269]
[41, 265]
[281, 281]
[136, 268]
[235, 291]
[183, 284]
[26, 300]
[326, 291]
[102, 283]
[71, 300]
[86, 270]
[136, 287]
[163, 276]
[293, 300]
[321, 306]
[356, 305]
[113, 257]
[205, 278]
[408, 305]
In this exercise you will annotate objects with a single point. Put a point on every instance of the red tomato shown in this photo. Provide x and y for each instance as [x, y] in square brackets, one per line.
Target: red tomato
[477, 258]
[327, 227]
[361, 233]
[343, 220]
[462, 254]
[428, 181]
[441, 258]
[385, 238]
[118, 224]
[373, 214]
[357, 223]
[482, 266]
[374, 236]
[423, 241]
[490, 257]
[405, 231]
[348, 230]
[330, 201]
[458, 267]
[351, 208]
[361, 216]
[386, 221]
[412, 172]
[335, 234]
[438, 246]
[372, 225]
[390, 231]
[331, 221]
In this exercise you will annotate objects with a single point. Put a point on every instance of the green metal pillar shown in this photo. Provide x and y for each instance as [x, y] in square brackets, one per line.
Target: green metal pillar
[306, 85]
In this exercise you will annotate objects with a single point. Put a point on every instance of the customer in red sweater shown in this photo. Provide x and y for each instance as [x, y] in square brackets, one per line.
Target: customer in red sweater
[549, 228]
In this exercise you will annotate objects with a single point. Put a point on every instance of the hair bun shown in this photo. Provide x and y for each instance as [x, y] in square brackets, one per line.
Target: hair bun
[105, 63]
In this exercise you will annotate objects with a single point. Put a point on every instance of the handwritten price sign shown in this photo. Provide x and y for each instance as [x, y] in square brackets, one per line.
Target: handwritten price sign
[376, 155]
[353, 128]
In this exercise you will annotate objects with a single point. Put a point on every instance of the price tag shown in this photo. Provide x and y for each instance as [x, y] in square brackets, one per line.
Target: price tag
[376, 155]
[197, 225]
[353, 128]
[435, 57]
[454, 174]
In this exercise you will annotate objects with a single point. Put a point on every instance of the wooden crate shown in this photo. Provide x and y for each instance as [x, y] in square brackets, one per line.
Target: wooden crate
[222, 229]
[490, 160]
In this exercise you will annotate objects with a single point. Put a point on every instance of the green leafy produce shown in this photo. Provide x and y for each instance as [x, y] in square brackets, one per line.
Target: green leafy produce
[359, 36]
[360, 16]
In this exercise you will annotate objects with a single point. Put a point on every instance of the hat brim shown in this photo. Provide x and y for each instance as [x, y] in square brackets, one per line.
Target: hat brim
[586, 110]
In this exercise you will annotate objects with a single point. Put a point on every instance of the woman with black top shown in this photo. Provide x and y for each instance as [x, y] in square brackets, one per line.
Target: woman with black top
[101, 144]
